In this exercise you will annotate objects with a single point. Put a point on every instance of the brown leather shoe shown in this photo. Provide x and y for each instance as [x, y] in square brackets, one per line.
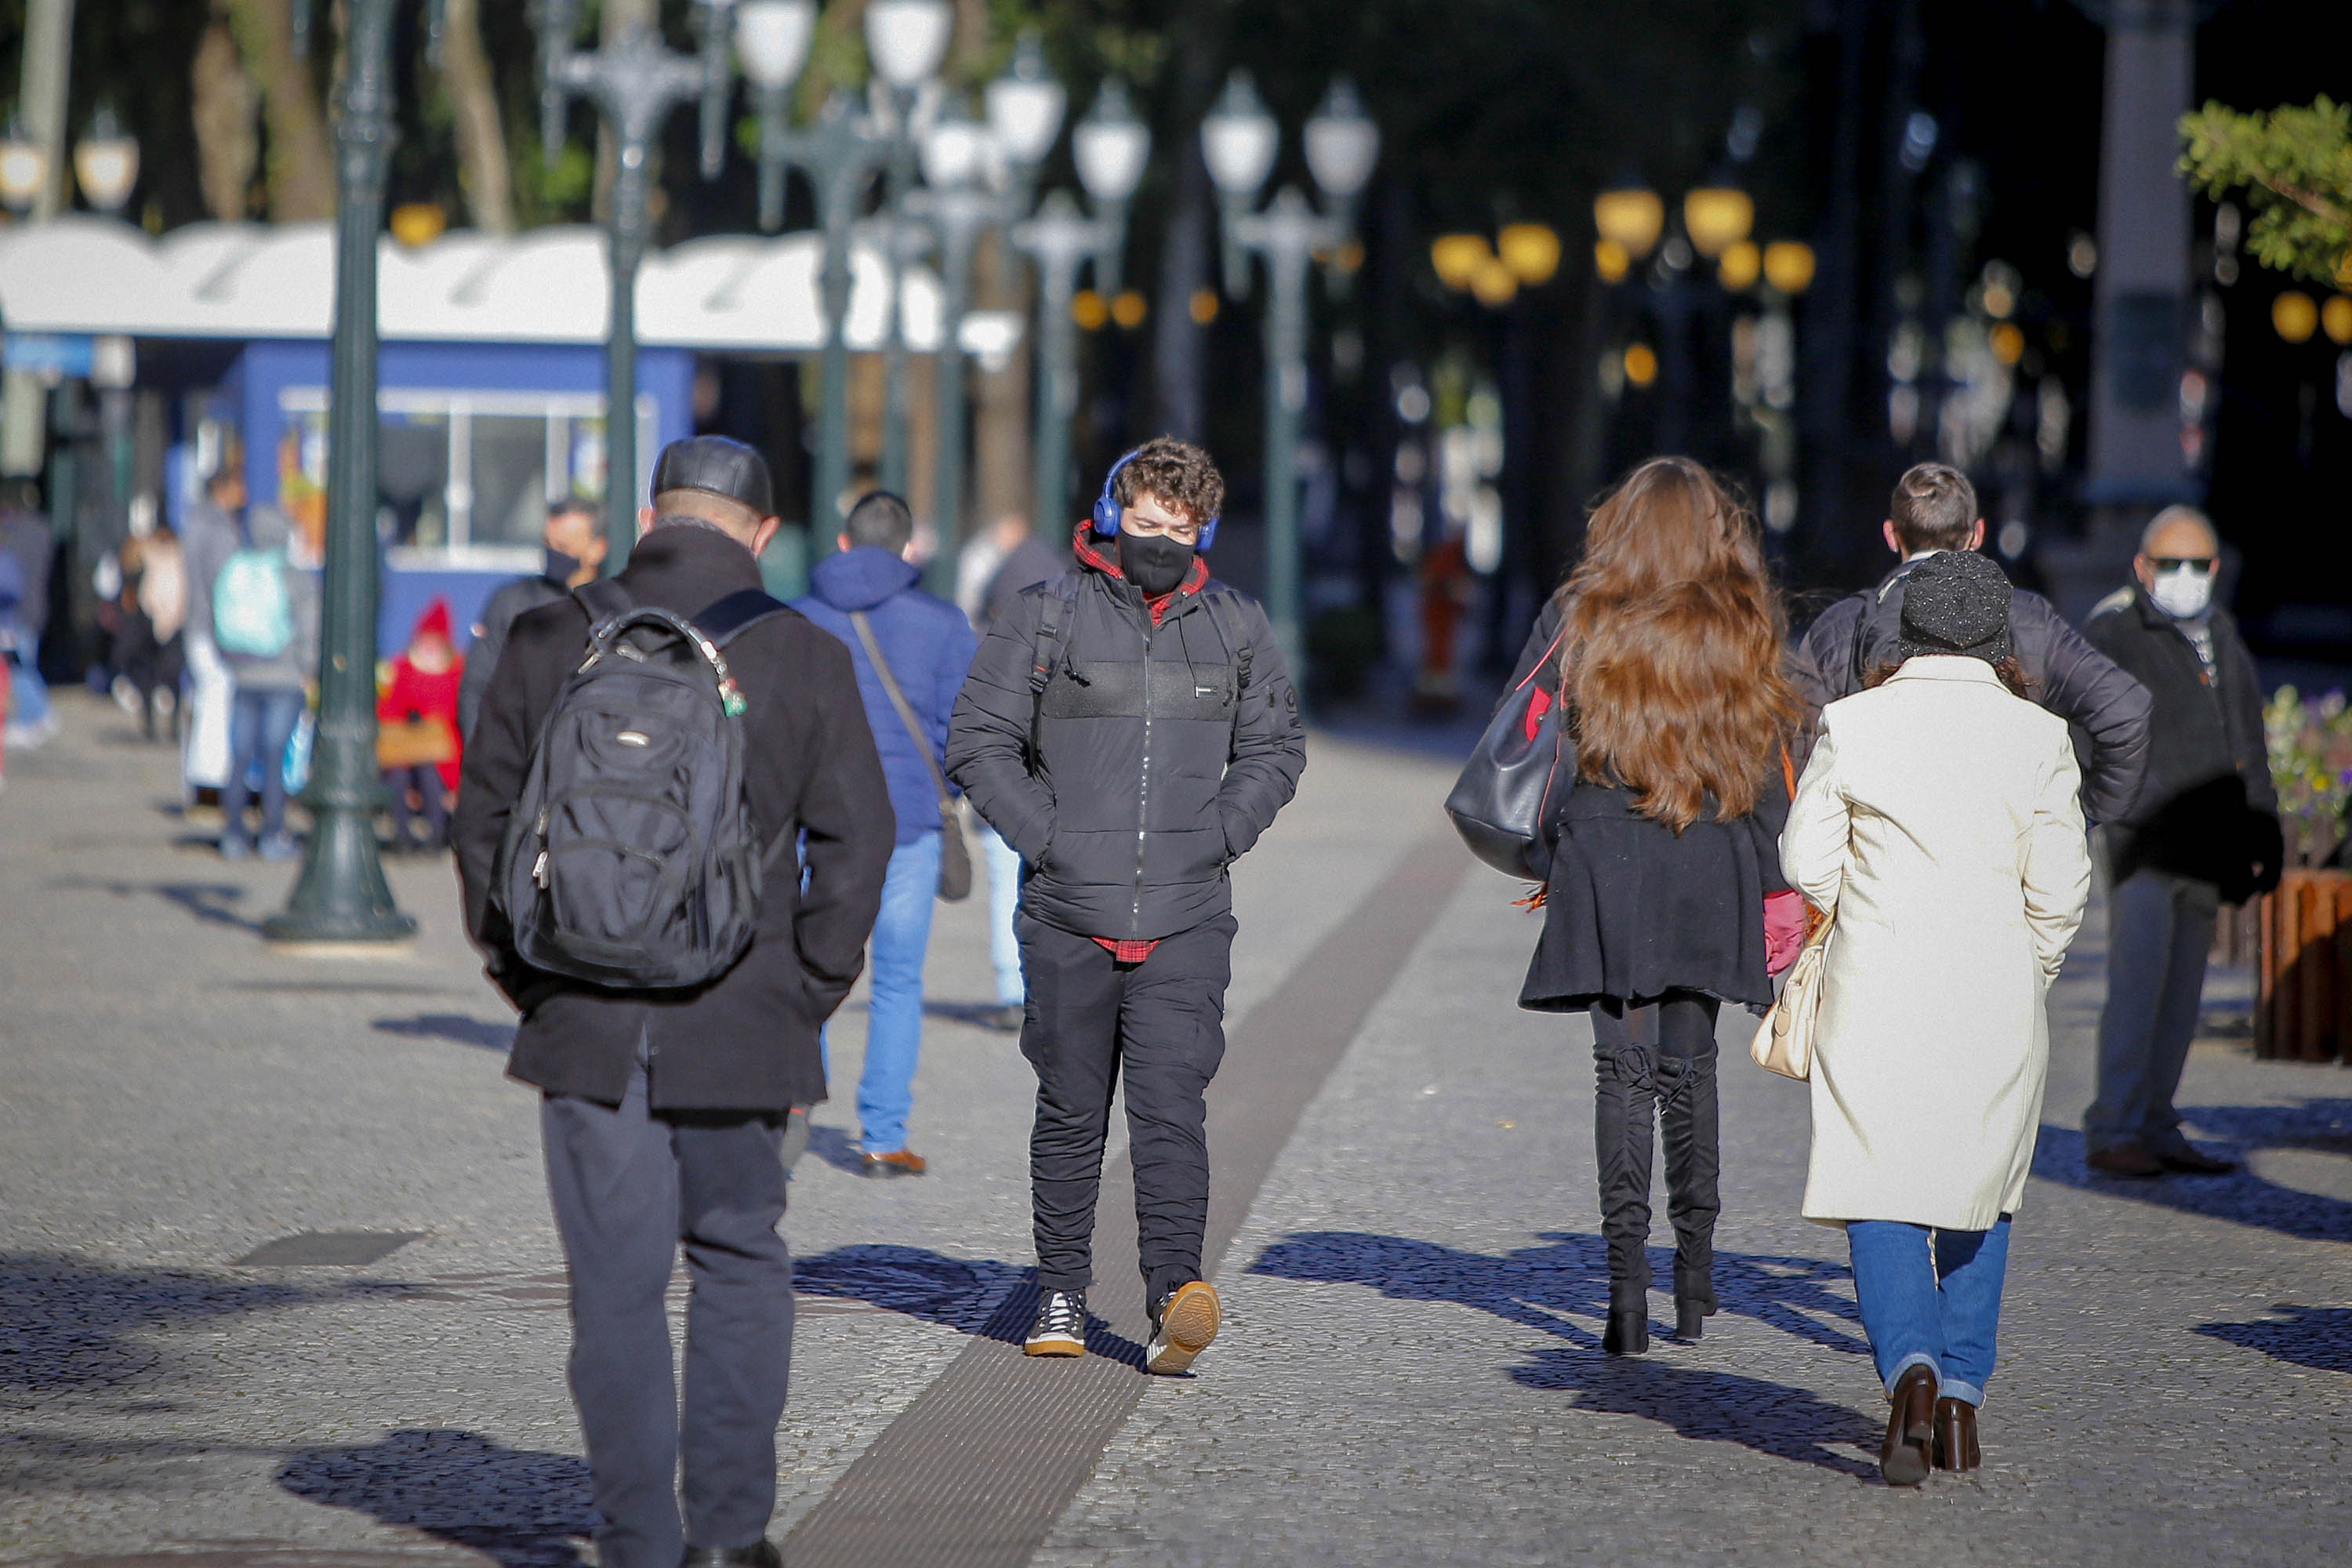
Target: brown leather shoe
[1955, 1436]
[2124, 1159]
[2191, 1162]
[897, 1163]
[1903, 1458]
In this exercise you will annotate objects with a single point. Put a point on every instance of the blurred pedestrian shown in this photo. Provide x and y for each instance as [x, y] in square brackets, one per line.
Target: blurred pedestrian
[1939, 823]
[265, 620]
[1131, 730]
[661, 1111]
[1020, 561]
[1666, 645]
[155, 655]
[215, 526]
[29, 544]
[1934, 512]
[911, 652]
[418, 742]
[2204, 832]
[575, 544]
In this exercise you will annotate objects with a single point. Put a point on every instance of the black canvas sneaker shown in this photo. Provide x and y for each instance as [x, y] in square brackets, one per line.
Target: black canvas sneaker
[1186, 1322]
[1061, 1325]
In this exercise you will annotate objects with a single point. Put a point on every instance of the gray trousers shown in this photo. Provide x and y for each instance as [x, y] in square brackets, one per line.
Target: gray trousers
[2160, 929]
[628, 1188]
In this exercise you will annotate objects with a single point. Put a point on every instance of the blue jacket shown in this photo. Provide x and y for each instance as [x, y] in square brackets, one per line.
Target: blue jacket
[929, 646]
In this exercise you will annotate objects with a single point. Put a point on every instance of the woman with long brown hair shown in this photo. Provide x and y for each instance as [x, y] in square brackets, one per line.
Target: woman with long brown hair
[1664, 646]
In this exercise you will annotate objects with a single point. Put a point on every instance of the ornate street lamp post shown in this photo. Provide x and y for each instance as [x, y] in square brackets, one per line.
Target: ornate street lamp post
[633, 81]
[1343, 146]
[905, 40]
[341, 896]
[1110, 147]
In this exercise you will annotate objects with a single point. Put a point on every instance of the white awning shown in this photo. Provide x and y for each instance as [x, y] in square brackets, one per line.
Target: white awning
[82, 274]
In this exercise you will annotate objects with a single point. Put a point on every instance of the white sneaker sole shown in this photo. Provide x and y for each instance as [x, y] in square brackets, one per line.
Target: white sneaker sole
[1187, 1326]
[1054, 1345]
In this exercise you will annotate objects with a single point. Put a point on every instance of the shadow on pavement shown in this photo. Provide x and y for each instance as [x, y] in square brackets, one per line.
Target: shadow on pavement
[2318, 1337]
[835, 1147]
[2242, 1196]
[1544, 1287]
[450, 1026]
[207, 901]
[73, 1326]
[1712, 1407]
[526, 1510]
[981, 1297]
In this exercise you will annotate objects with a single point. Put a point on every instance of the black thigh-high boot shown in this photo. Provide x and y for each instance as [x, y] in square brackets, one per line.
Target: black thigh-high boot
[1687, 1119]
[1624, 1104]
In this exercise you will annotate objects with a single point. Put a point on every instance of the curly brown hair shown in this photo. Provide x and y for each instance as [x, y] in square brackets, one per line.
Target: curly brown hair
[1180, 474]
[1671, 657]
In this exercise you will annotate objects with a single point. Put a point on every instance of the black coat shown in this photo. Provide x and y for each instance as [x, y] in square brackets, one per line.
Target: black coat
[2070, 677]
[1151, 778]
[2205, 807]
[747, 1041]
[1634, 909]
[509, 604]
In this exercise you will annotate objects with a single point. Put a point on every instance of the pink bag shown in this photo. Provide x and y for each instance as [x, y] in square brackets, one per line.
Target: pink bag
[1784, 912]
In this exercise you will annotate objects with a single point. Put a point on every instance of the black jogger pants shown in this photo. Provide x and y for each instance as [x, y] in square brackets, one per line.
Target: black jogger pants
[1161, 1024]
[1657, 1060]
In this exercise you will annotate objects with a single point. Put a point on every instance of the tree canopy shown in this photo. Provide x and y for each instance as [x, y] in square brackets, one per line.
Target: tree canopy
[2296, 164]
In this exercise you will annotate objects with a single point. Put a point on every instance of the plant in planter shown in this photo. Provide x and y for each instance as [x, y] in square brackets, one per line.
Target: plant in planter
[2310, 746]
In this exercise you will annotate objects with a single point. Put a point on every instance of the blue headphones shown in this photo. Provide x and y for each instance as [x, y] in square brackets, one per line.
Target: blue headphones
[1107, 507]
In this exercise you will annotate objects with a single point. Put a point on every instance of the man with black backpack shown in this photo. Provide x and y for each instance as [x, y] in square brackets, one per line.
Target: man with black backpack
[1130, 728]
[1934, 510]
[671, 833]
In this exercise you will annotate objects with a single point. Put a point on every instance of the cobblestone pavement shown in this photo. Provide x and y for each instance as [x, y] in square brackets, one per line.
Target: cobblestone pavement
[1411, 1373]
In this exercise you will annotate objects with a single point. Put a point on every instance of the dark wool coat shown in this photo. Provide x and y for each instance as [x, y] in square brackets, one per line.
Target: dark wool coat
[1634, 909]
[2207, 807]
[1151, 774]
[2070, 676]
[747, 1041]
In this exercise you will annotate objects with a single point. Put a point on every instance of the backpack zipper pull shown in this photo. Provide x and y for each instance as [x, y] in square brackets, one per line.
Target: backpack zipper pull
[539, 869]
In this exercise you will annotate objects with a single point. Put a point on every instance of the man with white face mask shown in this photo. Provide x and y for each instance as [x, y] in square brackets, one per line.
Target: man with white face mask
[2203, 831]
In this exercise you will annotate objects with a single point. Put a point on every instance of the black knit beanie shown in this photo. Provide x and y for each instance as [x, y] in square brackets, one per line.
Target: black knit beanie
[1954, 601]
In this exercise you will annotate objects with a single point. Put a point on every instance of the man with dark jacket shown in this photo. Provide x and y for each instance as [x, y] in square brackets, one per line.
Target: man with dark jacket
[661, 1111]
[869, 589]
[1935, 508]
[1131, 730]
[2204, 831]
[575, 545]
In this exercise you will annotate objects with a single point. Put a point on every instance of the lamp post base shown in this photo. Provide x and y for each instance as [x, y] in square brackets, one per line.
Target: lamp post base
[341, 896]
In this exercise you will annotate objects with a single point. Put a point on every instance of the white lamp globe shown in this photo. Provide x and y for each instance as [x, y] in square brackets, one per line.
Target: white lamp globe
[772, 37]
[907, 39]
[1343, 143]
[954, 150]
[1239, 139]
[1025, 106]
[1111, 145]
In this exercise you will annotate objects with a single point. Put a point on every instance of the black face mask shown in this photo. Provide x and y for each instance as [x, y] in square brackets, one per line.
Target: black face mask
[1153, 561]
[560, 566]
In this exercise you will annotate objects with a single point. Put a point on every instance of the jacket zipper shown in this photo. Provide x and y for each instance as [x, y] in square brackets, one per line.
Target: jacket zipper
[1143, 783]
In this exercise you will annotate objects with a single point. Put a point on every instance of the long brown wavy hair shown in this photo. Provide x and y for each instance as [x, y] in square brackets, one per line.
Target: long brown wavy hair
[1671, 651]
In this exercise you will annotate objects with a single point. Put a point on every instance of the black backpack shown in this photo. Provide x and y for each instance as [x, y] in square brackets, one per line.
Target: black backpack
[632, 860]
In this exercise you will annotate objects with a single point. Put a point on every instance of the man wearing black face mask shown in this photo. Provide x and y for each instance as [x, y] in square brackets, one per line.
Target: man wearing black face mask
[575, 553]
[1130, 728]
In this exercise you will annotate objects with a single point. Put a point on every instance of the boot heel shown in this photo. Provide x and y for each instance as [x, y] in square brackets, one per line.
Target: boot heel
[1690, 1316]
[1904, 1456]
[1628, 1333]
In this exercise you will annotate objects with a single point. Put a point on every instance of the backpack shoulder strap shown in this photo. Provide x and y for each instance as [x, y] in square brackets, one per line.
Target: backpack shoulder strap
[722, 622]
[1061, 596]
[1225, 609]
[603, 598]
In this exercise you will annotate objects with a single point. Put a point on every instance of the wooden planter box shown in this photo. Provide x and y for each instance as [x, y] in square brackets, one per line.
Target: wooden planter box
[2304, 1012]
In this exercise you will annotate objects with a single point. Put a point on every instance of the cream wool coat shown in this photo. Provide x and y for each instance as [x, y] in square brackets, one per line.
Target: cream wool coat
[1939, 818]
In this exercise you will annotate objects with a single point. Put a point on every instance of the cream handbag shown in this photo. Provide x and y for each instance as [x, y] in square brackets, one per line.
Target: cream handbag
[1784, 1040]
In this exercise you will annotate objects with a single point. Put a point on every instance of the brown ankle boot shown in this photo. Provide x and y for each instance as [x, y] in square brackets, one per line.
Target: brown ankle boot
[1903, 1458]
[1955, 1436]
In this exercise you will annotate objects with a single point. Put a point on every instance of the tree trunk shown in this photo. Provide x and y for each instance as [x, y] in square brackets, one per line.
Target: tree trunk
[482, 165]
[221, 104]
[1186, 248]
[300, 167]
[1000, 401]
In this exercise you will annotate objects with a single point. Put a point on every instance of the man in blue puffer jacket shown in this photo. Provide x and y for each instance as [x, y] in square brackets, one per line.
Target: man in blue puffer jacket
[929, 647]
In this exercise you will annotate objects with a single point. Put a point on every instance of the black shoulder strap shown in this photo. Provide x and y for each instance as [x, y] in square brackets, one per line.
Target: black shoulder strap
[1225, 609]
[603, 598]
[725, 620]
[1060, 596]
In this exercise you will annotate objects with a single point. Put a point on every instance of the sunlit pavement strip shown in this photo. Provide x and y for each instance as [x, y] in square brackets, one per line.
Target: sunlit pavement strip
[1409, 1373]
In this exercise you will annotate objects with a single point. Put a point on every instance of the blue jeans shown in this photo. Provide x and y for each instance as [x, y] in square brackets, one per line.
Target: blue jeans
[1930, 1303]
[894, 1027]
[1003, 900]
[30, 695]
[259, 727]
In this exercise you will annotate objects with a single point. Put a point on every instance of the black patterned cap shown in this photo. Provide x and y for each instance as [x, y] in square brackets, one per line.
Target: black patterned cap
[1954, 601]
[719, 466]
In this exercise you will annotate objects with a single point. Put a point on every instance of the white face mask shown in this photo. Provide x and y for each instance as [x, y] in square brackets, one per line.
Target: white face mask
[2182, 593]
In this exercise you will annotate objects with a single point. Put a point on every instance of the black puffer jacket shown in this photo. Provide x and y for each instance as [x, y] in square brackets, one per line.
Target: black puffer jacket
[2071, 679]
[2207, 807]
[1150, 775]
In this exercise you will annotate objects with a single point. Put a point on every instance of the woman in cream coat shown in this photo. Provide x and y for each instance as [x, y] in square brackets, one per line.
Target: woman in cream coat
[1937, 820]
